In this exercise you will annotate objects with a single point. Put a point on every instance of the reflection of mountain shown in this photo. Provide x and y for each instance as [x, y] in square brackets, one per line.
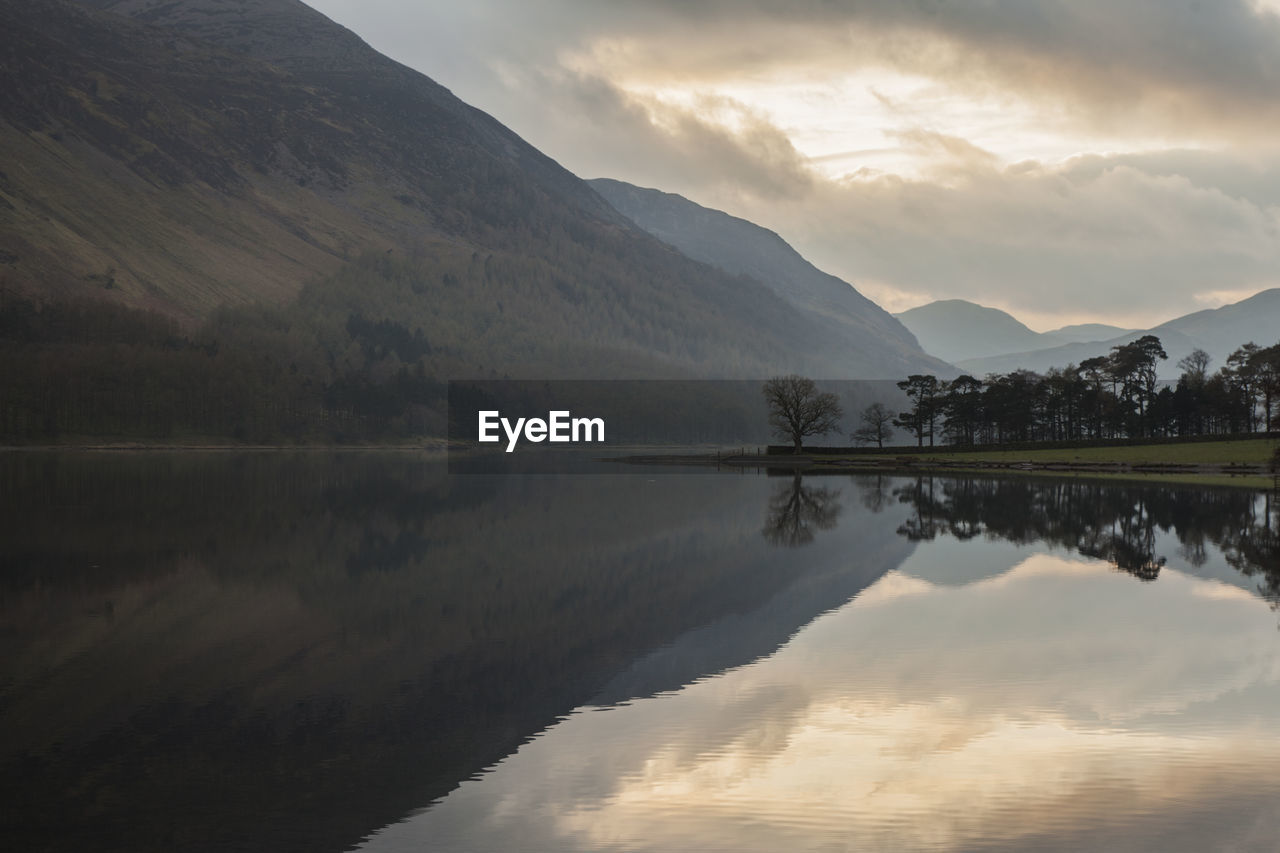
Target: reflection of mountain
[834, 569]
[1116, 523]
[195, 645]
[1059, 708]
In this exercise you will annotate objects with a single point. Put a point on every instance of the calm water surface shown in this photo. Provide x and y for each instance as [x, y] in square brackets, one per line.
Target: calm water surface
[329, 652]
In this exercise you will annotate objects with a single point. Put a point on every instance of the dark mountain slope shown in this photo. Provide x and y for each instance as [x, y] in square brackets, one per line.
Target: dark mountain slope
[210, 152]
[204, 176]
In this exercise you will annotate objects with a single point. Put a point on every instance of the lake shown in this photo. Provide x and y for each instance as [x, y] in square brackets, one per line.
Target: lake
[332, 651]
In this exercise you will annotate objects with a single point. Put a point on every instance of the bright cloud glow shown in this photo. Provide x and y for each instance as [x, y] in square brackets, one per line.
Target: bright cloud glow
[1074, 161]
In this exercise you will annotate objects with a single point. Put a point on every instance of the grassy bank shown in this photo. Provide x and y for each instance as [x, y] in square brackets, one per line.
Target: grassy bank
[1243, 452]
[1240, 462]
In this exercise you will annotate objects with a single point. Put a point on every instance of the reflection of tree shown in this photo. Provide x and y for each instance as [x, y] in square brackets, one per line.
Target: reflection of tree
[1255, 547]
[875, 492]
[928, 522]
[1116, 523]
[797, 510]
[1123, 534]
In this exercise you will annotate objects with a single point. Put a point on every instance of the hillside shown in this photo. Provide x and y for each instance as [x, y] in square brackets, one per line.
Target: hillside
[1081, 333]
[1219, 331]
[955, 330]
[740, 247]
[188, 155]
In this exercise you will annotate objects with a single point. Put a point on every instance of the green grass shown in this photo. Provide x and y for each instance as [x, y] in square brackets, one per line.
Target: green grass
[1254, 452]
[1248, 481]
[1245, 452]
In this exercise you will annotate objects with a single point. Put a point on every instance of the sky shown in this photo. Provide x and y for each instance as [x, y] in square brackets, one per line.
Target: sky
[1112, 161]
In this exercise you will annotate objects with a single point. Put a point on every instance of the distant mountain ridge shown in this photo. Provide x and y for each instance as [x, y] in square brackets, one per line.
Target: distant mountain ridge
[1081, 333]
[955, 330]
[740, 247]
[1218, 331]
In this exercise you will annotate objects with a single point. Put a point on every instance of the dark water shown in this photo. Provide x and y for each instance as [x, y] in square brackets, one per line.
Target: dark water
[319, 652]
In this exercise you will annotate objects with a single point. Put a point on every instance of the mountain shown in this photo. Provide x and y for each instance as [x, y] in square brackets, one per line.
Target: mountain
[1218, 331]
[955, 330]
[743, 248]
[1085, 332]
[183, 156]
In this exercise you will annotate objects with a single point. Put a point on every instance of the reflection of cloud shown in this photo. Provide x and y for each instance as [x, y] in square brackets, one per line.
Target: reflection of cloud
[1050, 700]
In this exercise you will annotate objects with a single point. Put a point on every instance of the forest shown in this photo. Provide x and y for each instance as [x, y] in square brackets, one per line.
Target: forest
[1119, 395]
[363, 356]
[71, 370]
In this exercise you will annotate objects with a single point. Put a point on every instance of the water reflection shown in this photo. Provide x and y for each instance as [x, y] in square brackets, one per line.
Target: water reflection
[287, 652]
[798, 509]
[1033, 699]
[1054, 707]
[1118, 524]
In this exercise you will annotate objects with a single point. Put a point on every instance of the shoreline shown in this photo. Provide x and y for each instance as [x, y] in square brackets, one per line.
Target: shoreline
[142, 447]
[1258, 475]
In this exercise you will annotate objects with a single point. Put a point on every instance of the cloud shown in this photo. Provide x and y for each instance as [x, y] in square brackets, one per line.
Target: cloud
[1149, 61]
[1090, 160]
[1181, 67]
[708, 143]
[1122, 237]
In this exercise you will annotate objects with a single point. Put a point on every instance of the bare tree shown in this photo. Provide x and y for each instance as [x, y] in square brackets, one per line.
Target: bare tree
[1195, 367]
[798, 410]
[877, 425]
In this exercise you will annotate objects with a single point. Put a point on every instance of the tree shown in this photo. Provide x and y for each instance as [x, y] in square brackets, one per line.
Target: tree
[1134, 365]
[1195, 367]
[923, 391]
[798, 410]
[877, 425]
[1243, 376]
[961, 406]
[1094, 371]
[1265, 364]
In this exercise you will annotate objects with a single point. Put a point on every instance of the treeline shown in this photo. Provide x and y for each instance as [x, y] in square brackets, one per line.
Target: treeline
[1118, 395]
[71, 370]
